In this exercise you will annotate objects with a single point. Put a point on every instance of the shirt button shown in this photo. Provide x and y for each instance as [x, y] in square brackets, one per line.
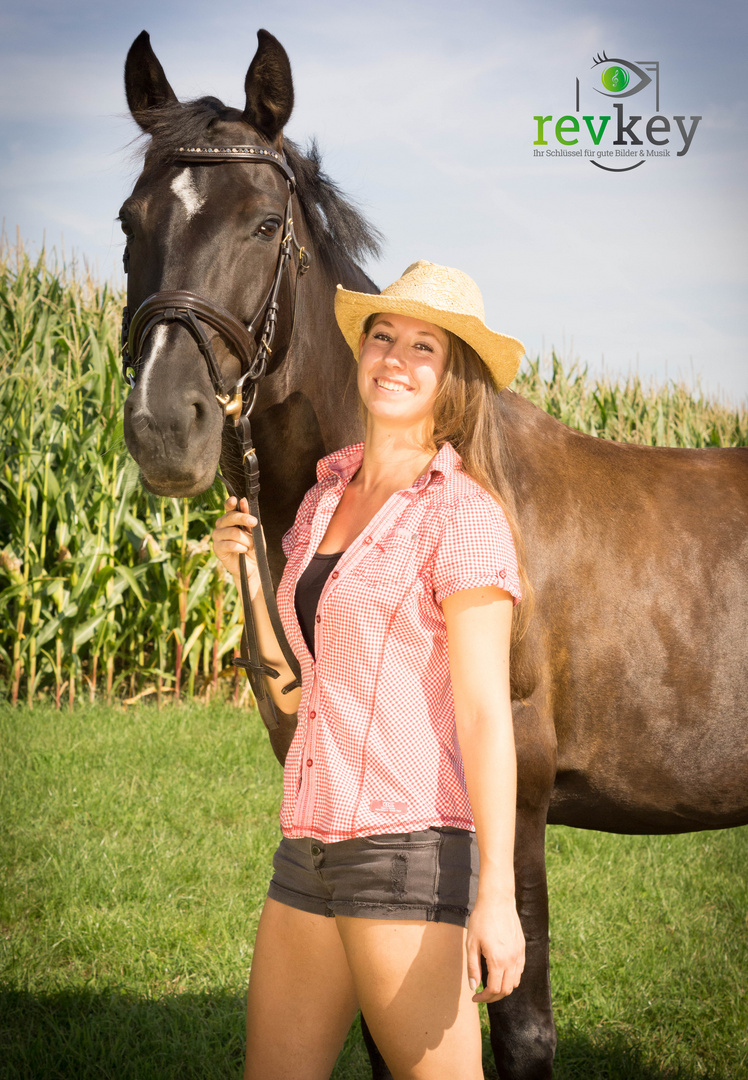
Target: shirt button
[319, 618]
[334, 574]
[312, 714]
[309, 762]
[367, 539]
[502, 573]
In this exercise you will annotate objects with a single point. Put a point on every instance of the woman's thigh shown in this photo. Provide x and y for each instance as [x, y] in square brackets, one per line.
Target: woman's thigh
[301, 998]
[412, 985]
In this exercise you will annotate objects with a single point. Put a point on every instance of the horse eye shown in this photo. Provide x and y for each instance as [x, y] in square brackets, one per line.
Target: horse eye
[269, 228]
[126, 228]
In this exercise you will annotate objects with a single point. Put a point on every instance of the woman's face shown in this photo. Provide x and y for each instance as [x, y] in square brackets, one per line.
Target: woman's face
[401, 362]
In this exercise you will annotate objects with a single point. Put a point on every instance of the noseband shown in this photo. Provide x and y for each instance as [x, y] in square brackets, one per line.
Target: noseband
[255, 357]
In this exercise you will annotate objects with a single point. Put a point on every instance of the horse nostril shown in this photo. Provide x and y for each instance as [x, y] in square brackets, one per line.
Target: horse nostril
[199, 410]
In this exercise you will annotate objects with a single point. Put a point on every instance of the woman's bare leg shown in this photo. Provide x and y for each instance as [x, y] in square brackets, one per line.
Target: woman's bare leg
[411, 982]
[301, 999]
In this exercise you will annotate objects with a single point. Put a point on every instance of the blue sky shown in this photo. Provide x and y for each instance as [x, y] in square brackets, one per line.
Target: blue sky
[424, 112]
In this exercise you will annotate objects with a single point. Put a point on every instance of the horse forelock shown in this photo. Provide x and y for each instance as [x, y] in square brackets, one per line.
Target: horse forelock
[185, 123]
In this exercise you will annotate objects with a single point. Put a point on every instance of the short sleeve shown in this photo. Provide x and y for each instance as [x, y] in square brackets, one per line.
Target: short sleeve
[303, 520]
[476, 549]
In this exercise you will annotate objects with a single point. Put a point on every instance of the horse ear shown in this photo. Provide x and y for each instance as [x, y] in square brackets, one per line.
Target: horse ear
[146, 86]
[269, 87]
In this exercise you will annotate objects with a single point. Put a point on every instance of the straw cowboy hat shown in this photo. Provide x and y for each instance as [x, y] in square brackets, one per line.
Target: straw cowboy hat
[439, 295]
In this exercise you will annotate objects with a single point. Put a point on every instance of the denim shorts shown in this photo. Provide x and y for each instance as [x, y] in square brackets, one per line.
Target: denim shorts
[430, 875]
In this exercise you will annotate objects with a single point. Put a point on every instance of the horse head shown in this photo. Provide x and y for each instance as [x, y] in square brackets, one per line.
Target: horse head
[210, 228]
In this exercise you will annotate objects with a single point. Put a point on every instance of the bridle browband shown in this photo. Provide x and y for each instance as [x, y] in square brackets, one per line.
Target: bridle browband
[256, 360]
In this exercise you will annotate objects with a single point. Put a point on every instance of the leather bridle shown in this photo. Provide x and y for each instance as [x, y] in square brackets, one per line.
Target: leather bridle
[256, 360]
[189, 309]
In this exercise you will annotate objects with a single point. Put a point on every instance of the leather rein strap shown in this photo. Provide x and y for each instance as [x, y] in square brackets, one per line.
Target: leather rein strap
[192, 311]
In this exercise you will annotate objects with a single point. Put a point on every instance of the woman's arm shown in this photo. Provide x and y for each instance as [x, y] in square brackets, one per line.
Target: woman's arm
[478, 628]
[231, 537]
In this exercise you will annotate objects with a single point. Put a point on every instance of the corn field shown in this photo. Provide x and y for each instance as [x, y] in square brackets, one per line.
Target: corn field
[107, 592]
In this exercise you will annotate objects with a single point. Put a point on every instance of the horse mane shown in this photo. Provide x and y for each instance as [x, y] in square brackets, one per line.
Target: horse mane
[339, 231]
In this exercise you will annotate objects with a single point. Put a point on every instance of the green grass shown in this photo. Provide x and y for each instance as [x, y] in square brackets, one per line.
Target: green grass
[649, 953]
[136, 848]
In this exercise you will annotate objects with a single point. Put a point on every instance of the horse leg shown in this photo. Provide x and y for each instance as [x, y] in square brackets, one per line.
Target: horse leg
[523, 1035]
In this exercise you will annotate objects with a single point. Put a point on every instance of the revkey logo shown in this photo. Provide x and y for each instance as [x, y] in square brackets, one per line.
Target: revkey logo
[614, 77]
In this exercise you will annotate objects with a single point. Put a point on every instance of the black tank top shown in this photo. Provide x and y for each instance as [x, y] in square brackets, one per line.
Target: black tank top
[308, 591]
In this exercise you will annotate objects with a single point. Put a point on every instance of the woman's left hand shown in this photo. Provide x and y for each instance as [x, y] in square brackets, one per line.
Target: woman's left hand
[494, 931]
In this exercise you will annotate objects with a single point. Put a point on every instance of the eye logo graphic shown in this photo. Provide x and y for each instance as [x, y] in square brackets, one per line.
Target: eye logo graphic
[615, 78]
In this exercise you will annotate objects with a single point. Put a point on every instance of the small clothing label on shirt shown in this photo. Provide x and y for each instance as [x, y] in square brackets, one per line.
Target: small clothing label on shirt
[379, 806]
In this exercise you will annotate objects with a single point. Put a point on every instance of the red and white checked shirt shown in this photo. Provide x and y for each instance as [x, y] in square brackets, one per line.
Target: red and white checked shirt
[376, 748]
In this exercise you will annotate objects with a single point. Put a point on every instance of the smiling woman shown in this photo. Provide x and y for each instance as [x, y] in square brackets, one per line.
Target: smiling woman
[399, 590]
[401, 362]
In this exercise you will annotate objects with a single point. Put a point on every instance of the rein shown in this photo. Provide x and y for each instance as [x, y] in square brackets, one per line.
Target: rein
[256, 359]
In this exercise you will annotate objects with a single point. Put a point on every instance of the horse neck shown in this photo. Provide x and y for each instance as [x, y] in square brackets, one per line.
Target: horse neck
[320, 365]
[307, 408]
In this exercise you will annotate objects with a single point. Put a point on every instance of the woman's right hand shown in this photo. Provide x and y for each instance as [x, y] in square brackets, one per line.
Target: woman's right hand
[231, 537]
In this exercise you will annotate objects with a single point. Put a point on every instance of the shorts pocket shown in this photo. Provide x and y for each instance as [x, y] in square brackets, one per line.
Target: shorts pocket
[423, 838]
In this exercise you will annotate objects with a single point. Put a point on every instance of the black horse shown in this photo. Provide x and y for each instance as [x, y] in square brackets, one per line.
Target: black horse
[630, 686]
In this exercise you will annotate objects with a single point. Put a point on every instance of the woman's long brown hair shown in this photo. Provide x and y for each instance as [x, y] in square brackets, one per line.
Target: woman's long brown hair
[466, 414]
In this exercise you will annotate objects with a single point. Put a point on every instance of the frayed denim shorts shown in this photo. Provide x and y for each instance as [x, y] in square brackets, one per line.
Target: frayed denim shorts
[430, 875]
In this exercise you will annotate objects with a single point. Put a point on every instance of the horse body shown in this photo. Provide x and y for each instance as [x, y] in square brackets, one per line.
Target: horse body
[629, 686]
[639, 558]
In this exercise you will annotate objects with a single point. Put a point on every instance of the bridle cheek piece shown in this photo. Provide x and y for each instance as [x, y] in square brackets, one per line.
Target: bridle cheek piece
[256, 359]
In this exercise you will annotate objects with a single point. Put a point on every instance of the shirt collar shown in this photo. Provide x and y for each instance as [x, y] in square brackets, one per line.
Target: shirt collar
[341, 463]
[344, 463]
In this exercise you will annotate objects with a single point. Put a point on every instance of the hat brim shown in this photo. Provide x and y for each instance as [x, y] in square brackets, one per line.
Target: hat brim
[501, 354]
